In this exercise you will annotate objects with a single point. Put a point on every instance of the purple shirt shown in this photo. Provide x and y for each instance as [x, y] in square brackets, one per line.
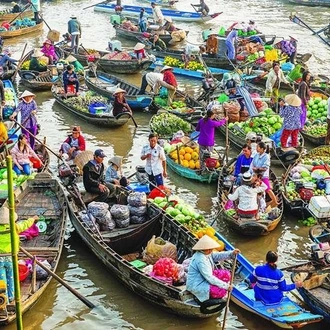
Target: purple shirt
[291, 116]
[27, 120]
[206, 129]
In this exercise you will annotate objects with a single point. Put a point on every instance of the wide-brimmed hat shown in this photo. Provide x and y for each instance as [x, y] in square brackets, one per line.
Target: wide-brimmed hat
[252, 136]
[293, 100]
[168, 19]
[37, 53]
[139, 46]
[293, 38]
[166, 67]
[206, 243]
[119, 90]
[47, 41]
[71, 58]
[247, 177]
[117, 160]
[4, 215]
[26, 93]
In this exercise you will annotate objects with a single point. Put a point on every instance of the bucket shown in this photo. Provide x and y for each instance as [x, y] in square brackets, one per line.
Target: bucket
[23, 272]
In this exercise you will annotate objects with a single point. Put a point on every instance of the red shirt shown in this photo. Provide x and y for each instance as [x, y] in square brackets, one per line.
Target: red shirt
[169, 78]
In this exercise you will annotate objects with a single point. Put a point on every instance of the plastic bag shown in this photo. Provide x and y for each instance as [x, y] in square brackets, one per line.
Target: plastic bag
[137, 199]
[98, 209]
[137, 210]
[138, 219]
[119, 212]
[89, 220]
[122, 223]
[158, 248]
[166, 267]
[223, 275]
[42, 274]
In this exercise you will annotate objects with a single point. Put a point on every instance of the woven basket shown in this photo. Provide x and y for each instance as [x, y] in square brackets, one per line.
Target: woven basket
[315, 281]
[83, 158]
[54, 35]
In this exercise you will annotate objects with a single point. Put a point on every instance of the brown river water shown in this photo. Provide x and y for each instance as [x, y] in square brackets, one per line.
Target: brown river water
[118, 308]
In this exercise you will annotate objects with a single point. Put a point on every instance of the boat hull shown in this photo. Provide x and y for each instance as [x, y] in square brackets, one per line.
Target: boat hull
[20, 32]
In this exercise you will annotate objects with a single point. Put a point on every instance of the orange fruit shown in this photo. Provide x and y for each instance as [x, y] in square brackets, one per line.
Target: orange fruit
[174, 155]
[182, 151]
[217, 165]
[188, 150]
[187, 156]
[192, 164]
[194, 155]
[185, 163]
[197, 164]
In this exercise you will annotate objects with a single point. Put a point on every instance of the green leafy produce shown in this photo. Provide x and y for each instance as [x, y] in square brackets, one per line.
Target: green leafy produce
[82, 102]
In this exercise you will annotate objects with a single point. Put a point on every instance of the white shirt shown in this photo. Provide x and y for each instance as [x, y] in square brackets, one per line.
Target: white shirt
[154, 165]
[153, 77]
[158, 15]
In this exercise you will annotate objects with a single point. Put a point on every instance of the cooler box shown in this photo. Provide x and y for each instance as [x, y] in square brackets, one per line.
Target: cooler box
[114, 45]
[319, 206]
[115, 19]
[139, 187]
[97, 108]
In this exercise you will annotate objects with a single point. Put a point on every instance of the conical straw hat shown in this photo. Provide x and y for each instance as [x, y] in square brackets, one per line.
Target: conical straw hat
[206, 243]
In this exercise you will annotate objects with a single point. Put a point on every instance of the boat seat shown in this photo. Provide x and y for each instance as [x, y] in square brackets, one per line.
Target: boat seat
[88, 197]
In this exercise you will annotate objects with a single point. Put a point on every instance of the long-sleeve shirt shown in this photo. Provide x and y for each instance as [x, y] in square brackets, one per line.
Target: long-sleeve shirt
[21, 157]
[270, 284]
[261, 161]
[111, 175]
[49, 51]
[304, 92]
[206, 129]
[93, 174]
[119, 106]
[242, 164]
[74, 26]
[68, 76]
[272, 77]
[247, 197]
[79, 143]
[28, 120]
[291, 117]
[169, 77]
[200, 273]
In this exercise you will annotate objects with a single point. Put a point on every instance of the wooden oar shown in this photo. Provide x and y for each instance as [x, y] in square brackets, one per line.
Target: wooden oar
[19, 62]
[229, 292]
[20, 13]
[60, 280]
[127, 114]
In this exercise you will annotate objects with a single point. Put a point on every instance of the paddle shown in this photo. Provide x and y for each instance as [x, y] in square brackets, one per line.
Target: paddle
[198, 12]
[20, 13]
[60, 280]
[229, 292]
[127, 114]
[19, 62]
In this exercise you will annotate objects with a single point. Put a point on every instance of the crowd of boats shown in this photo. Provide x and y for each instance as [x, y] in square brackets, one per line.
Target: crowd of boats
[304, 189]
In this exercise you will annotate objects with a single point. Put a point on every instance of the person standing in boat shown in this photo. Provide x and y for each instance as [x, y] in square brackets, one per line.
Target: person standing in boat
[73, 145]
[304, 94]
[200, 271]
[35, 6]
[120, 104]
[6, 264]
[231, 41]
[157, 14]
[28, 108]
[269, 282]
[143, 20]
[150, 79]
[74, 29]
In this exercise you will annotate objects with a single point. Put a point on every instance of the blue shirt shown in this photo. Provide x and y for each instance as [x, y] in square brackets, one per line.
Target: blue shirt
[111, 174]
[270, 284]
[232, 36]
[242, 164]
[262, 161]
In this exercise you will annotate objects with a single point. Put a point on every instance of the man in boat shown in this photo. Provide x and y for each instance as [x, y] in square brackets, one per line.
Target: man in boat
[74, 29]
[73, 144]
[270, 282]
[93, 178]
[70, 78]
[35, 4]
[202, 8]
[6, 62]
[157, 14]
[155, 158]
[6, 265]
[150, 79]
[16, 8]
[243, 163]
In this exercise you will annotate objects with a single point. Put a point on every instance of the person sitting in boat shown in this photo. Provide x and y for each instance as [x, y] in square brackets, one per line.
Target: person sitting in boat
[70, 78]
[143, 20]
[232, 93]
[157, 14]
[48, 50]
[140, 52]
[252, 27]
[120, 104]
[243, 163]
[246, 194]
[128, 25]
[202, 8]
[169, 82]
[212, 44]
[21, 153]
[16, 8]
[6, 62]
[114, 172]
[77, 66]
[35, 62]
[93, 178]
[200, 272]
[269, 282]
[291, 114]
[6, 265]
[150, 79]
[157, 43]
[73, 145]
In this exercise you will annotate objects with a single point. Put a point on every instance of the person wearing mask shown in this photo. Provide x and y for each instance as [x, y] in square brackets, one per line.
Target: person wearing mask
[169, 82]
[327, 138]
[73, 145]
[269, 282]
[231, 39]
[157, 14]
[34, 62]
[6, 264]
[48, 50]
[28, 109]
[206, 128]
[243, 163]
[74, 29]
[120, 104]
[304, 94]
[155, 158]
[274, 79]
[143, 20]
[247, 196]
[70, 78]
[200, 272]
[93, 178]
[291, 113]
[150, 79]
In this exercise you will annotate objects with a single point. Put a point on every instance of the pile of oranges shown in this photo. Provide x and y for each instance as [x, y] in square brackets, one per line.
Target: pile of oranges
[210, 231]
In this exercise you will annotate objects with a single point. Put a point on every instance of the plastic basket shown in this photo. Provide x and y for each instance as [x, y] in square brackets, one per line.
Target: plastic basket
[138, 264]
[97, 108]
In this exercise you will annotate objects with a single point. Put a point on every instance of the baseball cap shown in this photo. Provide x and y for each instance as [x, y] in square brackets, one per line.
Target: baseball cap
[99, 153]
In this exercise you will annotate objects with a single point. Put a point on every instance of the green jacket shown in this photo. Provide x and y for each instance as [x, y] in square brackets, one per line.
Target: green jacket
[5, 241]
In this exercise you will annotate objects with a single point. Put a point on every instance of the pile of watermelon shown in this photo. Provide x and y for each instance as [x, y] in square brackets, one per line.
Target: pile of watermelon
[317, 109]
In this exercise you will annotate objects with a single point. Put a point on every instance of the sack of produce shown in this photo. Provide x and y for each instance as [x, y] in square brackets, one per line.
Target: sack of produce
[137, 210]
[166, 267]
[137, 199]
[98, 209]
[122, 223]
[89, 220]
[232, 107]
[233, 118]
[138, 219]
[119, 212]
[158, 248]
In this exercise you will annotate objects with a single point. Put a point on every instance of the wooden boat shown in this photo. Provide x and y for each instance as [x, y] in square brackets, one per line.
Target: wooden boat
[43, 196]
[249, 227]
[176, 15]
[108, 65]
[103, 119]
[104, 84]
[312, 3]
[7, 15]
[19, 32]
[316, 140]
[134, 35]
[163, 3]
[121, 248]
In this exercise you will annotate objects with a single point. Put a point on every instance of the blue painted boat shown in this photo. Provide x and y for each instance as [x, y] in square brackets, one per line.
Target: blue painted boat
[312, 3]
[287, 314]
[176, 15]
[105, 84]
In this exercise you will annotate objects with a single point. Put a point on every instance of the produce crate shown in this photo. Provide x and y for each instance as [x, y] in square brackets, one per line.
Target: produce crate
[319, 206]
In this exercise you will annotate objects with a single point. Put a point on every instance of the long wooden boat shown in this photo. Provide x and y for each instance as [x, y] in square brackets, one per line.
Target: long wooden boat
[19, 32]
[249, 227]
[104, 84]
[316, 140]
[43, 196]
[176, 15]
[104, 119]
[108, 65]
[121, 248]
[7, 15]
[312, 3]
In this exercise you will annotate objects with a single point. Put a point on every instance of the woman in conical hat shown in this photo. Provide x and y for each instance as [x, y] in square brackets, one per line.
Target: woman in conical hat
[200, 273]
[35, 64]
[28, 109]
[120, 104]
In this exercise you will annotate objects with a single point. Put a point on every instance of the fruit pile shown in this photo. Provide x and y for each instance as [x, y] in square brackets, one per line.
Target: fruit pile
[166, 124]
[316, 129]
[186, 156]
[317, 109]
[309, 222]
[26, 64]
[82, 102]
[166, 267]
[174, 62]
